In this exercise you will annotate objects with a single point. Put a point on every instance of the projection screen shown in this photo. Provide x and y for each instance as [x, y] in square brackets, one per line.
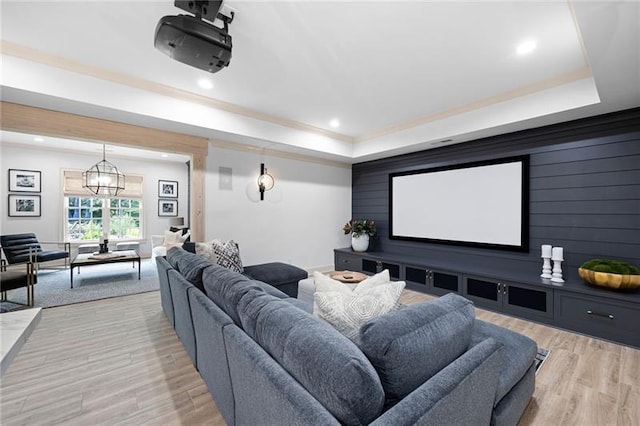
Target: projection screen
[482, 204]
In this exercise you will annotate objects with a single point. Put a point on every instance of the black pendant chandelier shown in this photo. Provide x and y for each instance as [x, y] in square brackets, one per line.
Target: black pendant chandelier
[103, 178]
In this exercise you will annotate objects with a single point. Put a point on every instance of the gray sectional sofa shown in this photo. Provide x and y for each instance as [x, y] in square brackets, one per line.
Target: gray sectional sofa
[266, 360]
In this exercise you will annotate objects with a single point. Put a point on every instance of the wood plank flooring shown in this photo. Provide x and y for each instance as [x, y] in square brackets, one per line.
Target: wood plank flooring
[118, 361]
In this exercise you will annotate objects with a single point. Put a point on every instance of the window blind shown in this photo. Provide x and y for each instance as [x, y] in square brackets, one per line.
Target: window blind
[72, 185]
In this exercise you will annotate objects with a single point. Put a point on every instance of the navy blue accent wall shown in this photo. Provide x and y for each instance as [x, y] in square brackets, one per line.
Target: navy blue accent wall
[584, 193]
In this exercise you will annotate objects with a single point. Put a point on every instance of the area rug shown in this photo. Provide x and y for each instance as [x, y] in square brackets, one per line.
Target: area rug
[541, 357]
[93, 283]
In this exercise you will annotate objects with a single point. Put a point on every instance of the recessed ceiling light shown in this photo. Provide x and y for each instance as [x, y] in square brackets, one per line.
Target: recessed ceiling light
[164, 155]
[526, 47]
[38, 139]
[335, 123]
[205, 84]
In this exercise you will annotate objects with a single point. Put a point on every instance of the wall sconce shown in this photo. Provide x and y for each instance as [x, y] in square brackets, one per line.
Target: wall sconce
[265, 181]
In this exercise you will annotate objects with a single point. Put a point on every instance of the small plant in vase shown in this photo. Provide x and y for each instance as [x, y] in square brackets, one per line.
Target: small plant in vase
[360, 230]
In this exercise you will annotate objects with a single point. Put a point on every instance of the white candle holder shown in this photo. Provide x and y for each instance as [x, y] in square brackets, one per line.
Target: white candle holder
[546, 267]
[556, 277]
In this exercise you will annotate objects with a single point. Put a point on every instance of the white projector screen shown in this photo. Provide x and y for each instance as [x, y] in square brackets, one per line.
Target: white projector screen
[475, 204]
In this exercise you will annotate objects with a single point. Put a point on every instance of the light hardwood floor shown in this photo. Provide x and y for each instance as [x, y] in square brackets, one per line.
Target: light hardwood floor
[118, 361]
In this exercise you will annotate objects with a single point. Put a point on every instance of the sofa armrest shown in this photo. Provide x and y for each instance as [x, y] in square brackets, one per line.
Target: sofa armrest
[462, 393]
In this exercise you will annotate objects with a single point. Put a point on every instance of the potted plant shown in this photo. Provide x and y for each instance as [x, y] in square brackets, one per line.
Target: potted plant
[609, 273]
[360, 230]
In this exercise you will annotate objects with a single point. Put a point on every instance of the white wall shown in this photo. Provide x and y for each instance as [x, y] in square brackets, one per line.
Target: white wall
[49, 227]
[299, 222]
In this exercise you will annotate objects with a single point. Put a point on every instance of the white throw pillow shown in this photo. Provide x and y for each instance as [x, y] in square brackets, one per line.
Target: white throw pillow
[206, 250]
[184, 237]
[324, 283]
[347, 312]
[172, 238]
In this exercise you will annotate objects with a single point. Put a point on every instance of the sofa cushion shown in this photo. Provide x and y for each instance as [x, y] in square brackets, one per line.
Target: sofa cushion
[226, 287]
[173, 256]
[409, 346]
[191, 267]
[519, 353]
[322, 360]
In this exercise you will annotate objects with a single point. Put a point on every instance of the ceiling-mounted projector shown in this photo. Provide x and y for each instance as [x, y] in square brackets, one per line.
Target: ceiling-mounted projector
[194, 41]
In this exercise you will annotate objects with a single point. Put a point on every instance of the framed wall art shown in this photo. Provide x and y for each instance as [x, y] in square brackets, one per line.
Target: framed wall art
[168, 208]
[24, 205]
[167, 189]
[24, 180]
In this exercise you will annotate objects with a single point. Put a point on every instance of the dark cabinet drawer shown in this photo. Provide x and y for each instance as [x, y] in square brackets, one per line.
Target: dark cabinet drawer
[609, 319]
[346, 262]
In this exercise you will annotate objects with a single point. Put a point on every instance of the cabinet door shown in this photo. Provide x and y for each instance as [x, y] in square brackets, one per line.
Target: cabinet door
[369, 266]
[394, 269]
[443, 282]
[483, 291]
[416, 275]
[375, 266]
[524, 299]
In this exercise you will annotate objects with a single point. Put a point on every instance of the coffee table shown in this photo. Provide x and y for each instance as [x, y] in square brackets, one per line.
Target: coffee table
[89, 259]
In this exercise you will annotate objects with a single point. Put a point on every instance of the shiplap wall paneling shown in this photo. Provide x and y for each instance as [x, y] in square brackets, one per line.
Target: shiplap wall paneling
[584, 192]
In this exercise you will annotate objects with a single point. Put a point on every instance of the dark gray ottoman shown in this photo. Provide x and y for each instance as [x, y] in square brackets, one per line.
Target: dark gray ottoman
[282, 276]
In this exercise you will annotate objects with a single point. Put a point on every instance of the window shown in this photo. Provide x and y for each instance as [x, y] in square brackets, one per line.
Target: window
[87, 218]
[84, 218]
[124, 218]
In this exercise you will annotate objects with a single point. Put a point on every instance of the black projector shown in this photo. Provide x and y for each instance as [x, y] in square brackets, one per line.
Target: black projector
[194, 42]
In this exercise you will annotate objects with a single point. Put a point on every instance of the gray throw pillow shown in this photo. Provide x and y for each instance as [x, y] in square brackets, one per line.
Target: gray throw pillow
[409, 346]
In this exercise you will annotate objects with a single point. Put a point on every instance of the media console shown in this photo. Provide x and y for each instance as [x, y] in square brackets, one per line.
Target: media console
[573, 305]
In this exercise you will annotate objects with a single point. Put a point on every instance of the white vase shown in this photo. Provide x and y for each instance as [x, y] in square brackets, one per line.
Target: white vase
[360, 243]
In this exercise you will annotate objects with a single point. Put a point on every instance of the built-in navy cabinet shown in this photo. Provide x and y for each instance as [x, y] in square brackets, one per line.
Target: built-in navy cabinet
[573, 305]
[526, 300]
